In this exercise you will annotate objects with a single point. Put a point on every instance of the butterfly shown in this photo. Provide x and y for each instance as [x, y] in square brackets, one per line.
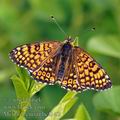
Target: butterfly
[61, 62]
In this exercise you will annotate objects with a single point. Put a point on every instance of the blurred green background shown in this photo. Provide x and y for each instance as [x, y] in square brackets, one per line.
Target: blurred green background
[28, 21]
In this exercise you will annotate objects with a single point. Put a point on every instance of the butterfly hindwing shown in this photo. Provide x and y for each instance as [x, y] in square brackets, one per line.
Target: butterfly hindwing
[47, 72]
[70, 79]
[32, 56]
[90, 74]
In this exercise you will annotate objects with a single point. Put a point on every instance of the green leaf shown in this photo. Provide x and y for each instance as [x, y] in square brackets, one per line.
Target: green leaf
[108, 101]
[20, 88]
[24, 76]
[63, 107]
[108, 45]
[36, 87]
[25, 88]
[82, 113]
[22, 96]
[21, 118]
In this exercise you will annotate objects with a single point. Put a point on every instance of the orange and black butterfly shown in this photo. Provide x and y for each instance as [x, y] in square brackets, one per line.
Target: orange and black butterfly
[61, 62]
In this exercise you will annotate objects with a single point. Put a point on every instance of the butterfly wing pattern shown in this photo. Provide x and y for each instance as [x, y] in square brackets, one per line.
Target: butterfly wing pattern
[56, 62]
[47, 72]
[70, 80]
[37, 58]
[84, 73]
[90, 74]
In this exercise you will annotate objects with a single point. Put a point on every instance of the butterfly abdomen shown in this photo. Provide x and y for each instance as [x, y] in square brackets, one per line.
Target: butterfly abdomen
[64, 56]
[61, 70]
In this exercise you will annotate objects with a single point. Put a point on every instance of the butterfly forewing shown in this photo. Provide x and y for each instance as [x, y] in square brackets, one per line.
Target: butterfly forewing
[32, 56]
[90, 74]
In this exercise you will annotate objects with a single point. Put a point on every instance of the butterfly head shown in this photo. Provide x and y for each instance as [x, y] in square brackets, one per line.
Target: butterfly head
[69, 39]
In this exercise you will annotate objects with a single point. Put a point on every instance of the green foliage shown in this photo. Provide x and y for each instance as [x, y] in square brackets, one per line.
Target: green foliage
[111, 49]
[20, 88]
[82, 113]
[108, 101]
[62, 108]
[43, 9]
[25, 88]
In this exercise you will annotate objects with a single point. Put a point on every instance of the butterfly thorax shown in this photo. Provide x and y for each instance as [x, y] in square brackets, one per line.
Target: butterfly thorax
[65, 56]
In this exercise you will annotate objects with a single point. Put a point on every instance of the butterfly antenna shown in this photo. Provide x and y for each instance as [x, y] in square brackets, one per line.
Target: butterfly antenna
[52, 17]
